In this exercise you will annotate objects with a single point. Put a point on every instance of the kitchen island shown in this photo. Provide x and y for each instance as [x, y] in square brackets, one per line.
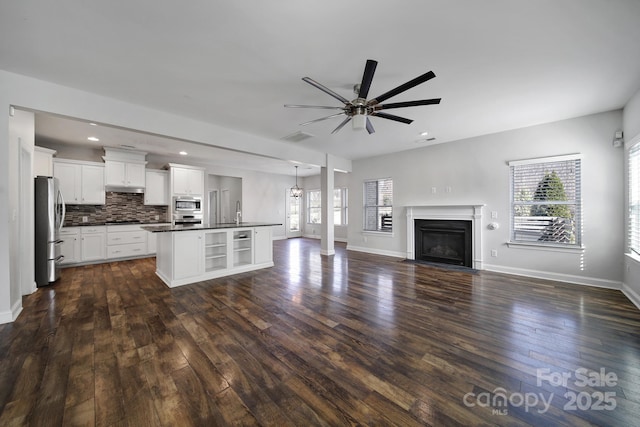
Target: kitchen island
[189, 254]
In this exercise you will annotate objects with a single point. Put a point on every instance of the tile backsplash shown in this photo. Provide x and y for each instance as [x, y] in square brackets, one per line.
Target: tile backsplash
[118, 207]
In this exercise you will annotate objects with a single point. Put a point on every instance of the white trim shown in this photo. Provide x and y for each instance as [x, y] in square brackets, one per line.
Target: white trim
[11, 316]
[558, 277]
[470, 212]
[631, 294]
[378, 233]
[546, 248]
[376, 251]
[575, 156]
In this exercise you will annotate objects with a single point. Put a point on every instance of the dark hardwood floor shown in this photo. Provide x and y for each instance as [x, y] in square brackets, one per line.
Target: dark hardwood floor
[352, 339]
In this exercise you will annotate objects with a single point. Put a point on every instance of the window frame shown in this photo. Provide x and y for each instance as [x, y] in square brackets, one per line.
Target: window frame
[377, 207]
[343, 208]
[633, 209]
[574, 204]
[309, 207]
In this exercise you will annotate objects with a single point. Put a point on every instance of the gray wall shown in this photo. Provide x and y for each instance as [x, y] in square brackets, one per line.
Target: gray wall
[476, 170]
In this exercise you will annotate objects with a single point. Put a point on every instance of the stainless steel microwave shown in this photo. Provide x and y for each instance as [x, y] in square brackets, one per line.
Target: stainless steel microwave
[187, 205]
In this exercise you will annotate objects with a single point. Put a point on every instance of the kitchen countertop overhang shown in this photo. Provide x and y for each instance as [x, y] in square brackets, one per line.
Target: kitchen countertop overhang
[171, 228]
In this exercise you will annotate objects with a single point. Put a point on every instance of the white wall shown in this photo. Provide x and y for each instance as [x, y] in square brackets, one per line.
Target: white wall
[341, 180]
[476, 170]
[631, 134]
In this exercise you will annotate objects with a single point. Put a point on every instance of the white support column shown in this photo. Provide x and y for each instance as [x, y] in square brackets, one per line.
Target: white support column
[326, 189]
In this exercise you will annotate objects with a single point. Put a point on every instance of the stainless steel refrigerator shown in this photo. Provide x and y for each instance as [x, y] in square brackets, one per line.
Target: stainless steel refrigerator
[49, 217]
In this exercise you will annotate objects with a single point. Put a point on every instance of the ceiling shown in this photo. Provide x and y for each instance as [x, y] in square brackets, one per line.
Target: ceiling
[500, 64]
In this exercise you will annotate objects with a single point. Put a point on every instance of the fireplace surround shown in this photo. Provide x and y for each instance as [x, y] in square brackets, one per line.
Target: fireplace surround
[471, 213]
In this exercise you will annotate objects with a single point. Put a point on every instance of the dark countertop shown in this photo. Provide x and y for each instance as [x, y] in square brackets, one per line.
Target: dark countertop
[96, 224]
[170, 228]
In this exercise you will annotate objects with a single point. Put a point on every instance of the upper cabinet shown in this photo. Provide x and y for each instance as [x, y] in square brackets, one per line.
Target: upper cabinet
[124, 168]
[81, 183]
[186, 180]
[157, 188]
[43, 161]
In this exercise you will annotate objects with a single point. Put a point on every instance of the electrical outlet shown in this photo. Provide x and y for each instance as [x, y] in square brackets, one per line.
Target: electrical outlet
[364, 239]
[85, 219]
[494, 214]
[494, 252]
[434, 190]
[447, 189]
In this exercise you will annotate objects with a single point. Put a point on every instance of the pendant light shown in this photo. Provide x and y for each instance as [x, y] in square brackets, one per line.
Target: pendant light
[295, 190]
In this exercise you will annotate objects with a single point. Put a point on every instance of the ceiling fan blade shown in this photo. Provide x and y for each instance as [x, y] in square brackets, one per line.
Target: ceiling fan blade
[325, 107]
[326, 90]
[403, 87]
[408, 104]
[323, 118]
[370, 128]
[394, 118]
[367, 77]
[341, 125]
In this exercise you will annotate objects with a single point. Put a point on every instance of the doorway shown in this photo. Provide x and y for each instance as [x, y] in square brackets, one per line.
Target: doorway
[293, 211]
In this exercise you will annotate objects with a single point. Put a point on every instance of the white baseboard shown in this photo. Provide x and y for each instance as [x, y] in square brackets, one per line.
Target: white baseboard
[10, 316]
[559, 277]
[377, 251]
[315, 236]
[631, 294]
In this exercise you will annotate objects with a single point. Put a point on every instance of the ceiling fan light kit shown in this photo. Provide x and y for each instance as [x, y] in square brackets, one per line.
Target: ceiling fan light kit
[359, 110]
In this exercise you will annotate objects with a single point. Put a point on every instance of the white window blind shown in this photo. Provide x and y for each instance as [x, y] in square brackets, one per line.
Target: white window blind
[634, 199]
[314, 207]
[546, 201]
[378, 205]
[340, 206]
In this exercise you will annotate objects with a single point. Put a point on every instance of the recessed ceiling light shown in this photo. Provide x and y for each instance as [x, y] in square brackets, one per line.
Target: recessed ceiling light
[93, 138]
[183, 153]
[425, 133]
[93, 124]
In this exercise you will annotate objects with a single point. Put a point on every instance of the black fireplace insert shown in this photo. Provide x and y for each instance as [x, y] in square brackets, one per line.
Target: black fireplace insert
[443, 241]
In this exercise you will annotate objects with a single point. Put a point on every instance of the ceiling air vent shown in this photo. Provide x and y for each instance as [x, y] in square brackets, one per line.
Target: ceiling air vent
[297, 136]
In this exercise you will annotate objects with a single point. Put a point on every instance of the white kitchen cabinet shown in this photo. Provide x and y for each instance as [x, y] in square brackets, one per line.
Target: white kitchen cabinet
[262, 245]
[188, 254]
[81, 183]
[92, 185]
[70, 247]
[124, 174]
[156, 191]
[186, 180]
[126, 241]
[42, 161]
[93, 243]
[124, 168]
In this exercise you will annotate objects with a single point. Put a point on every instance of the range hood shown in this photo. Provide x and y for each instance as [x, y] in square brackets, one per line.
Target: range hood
[122, 189]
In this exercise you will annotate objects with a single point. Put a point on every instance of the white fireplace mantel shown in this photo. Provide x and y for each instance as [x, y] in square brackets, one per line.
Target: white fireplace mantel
[471, 213]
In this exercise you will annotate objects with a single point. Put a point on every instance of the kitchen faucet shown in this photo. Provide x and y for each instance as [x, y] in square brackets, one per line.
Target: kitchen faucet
[238, 213]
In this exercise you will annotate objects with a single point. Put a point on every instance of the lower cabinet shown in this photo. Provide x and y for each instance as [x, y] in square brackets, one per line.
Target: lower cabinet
[70, 247]
[185, 257]
[126, 241]
[93, 243]
[187, 260]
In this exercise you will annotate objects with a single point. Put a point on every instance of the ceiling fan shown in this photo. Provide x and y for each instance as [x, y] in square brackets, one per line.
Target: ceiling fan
[360, 109]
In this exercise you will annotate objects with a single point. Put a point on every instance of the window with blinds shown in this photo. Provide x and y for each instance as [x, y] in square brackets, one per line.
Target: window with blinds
[378, 205]
[634, 199]
[314, 207]
[546, 201]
